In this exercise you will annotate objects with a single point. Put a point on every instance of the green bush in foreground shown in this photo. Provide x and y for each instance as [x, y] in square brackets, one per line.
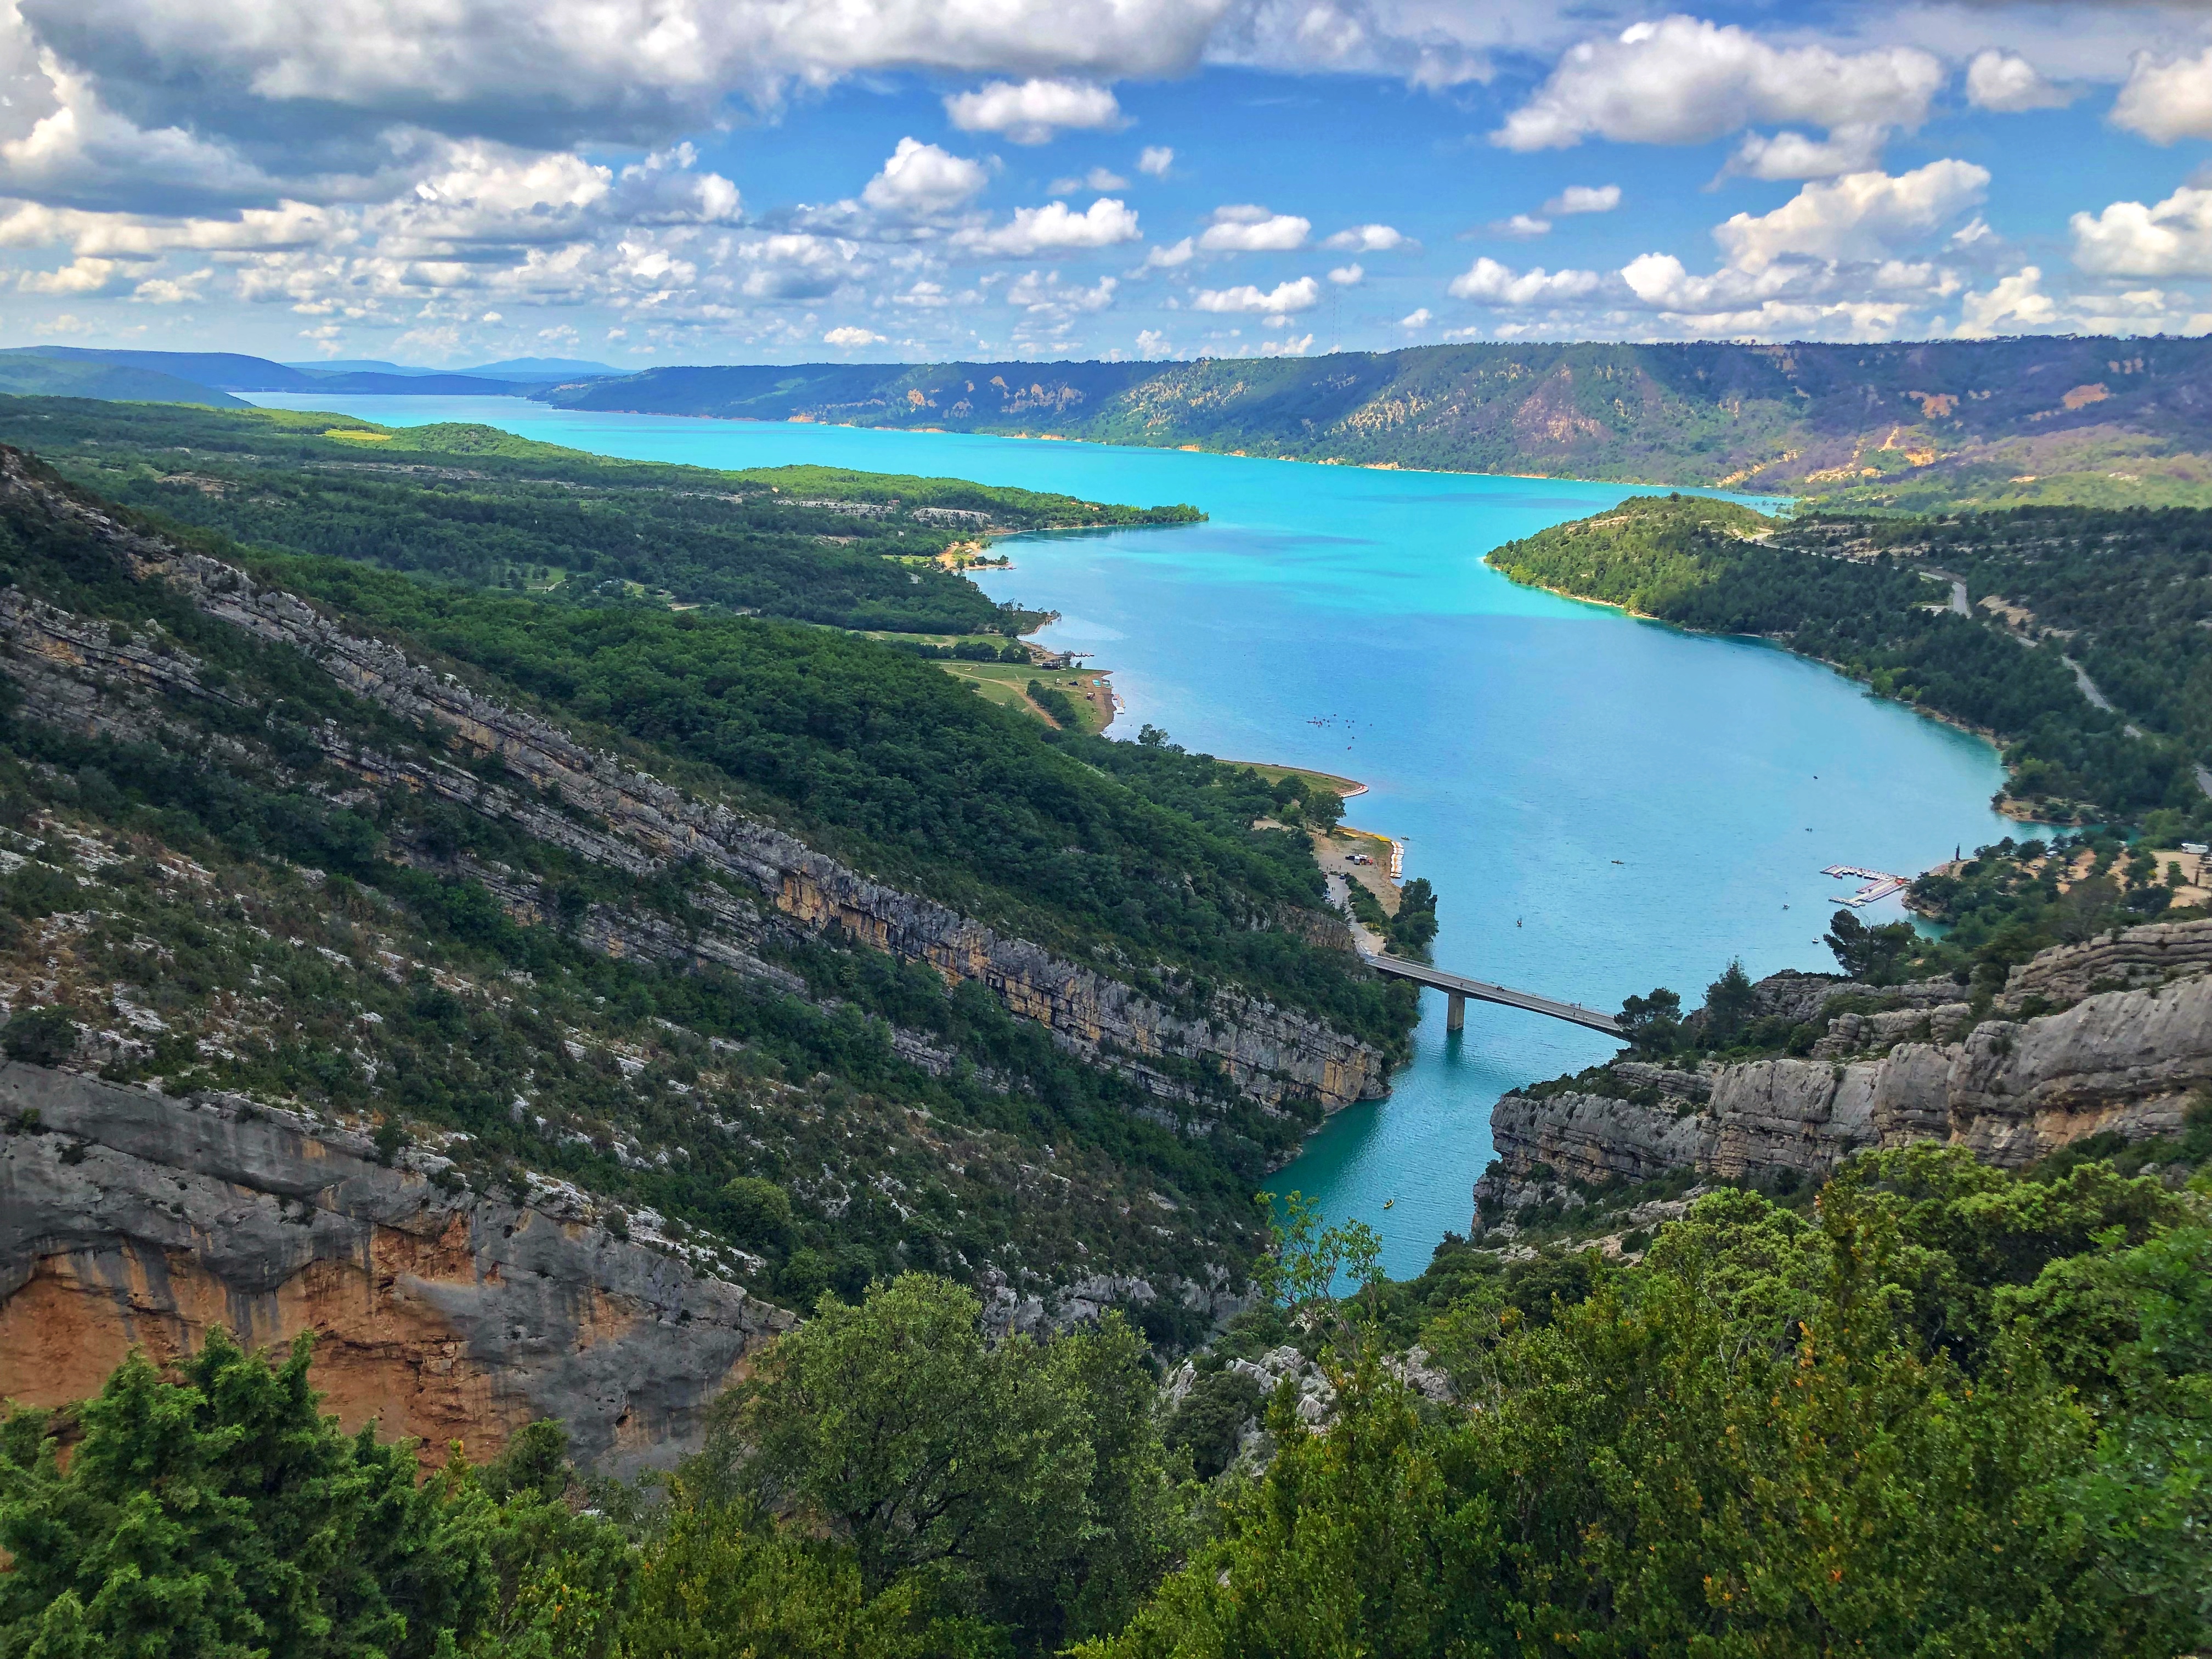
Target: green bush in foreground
[1951, 1411]
[221, 1514]
[1747, 1446]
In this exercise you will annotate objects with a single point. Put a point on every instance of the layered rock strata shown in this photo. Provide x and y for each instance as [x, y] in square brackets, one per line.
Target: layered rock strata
[2011, 1090]
[2152, 954]
[130, 1219]
[598, 805]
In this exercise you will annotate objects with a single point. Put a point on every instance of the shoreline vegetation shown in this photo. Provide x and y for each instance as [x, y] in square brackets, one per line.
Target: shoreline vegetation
[2052, 600]
[2009, 807]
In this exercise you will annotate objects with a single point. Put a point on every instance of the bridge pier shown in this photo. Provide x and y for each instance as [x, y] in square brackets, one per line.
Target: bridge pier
[1461, 990]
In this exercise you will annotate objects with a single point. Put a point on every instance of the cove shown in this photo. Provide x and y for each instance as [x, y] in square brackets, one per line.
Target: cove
[1604, 805]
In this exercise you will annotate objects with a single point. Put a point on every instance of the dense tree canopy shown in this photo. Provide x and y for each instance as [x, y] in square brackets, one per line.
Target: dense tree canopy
[482, 508]
[1938, 1409]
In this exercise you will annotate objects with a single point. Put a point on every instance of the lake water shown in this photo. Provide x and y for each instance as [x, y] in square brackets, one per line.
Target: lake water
[1604, 805]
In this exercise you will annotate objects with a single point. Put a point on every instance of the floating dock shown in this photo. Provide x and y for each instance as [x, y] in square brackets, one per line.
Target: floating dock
[1879, 883]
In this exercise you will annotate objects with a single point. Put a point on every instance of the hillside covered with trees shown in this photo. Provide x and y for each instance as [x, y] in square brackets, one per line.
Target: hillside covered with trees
[479, 507]
[2047, 598]
[227, 870]
[1909, 425]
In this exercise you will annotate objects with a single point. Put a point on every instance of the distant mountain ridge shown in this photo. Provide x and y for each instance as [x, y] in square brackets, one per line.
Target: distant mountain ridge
[1921, 425]
[508, 368]
[227, 372]
[29, 376]
[1917, 427]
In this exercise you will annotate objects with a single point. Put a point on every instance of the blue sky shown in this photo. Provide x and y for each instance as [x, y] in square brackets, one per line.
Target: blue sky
[723, 180]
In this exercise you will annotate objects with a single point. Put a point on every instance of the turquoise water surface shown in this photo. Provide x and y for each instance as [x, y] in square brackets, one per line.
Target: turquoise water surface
[1604, 805]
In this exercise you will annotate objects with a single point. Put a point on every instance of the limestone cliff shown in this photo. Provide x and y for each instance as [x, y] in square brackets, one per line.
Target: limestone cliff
[601, 806]
[129, 1219]
[2011, 1090]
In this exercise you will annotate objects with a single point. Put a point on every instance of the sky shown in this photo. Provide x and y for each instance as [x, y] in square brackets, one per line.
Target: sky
[444, 182]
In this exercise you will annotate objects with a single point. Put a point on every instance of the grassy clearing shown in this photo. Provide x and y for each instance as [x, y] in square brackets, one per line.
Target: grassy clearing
[1006, 684]
[1312, 779]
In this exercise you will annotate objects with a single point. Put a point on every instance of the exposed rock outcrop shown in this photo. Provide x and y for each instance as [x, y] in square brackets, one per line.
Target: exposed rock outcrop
[2012, 1091]
[78, 671]
[129, 1219]
[1007, 1312]
[2151, 954]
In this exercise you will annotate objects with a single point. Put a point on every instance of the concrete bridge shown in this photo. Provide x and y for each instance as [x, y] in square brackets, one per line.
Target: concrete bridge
[1460, 988]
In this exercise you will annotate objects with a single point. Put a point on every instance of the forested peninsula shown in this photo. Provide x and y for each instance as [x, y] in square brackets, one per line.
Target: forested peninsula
[2079, 639]
[476, 507]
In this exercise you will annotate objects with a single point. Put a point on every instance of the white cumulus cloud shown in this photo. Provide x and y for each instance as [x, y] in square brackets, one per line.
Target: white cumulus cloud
[1584, 198]
[1347, 276]
[1098, 178]
[1280, 300]
[84, 275]
[1684, 81]
[2014, 303]
[1250, 229]
[1492, 284]
[2167, 100]
[633, 71]
[847, 337]
[1851, 149]
[920, 181]
[1854, 216]
[1415, 318]
[1521, 225]
[2170, 239]
[167, 291]
[1170, 255]
[1043, 295]
[1054, 226]
[2007, 82]
[1032, 111]
[1155, 160]
[1368, 239]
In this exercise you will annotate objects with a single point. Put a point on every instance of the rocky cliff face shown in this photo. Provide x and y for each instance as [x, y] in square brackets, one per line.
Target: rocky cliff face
[600, 806]
[2011, 1089]
[131, 1219]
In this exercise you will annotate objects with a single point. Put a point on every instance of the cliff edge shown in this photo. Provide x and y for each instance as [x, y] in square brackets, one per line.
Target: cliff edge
[129, 1219]
[2125, 1058]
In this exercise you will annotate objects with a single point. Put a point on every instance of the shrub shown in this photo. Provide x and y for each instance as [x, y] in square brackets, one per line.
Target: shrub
[39, 1036]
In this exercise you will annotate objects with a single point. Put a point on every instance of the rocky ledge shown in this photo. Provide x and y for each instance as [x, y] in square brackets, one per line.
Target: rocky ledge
[132, 1219]
[2011, 1089]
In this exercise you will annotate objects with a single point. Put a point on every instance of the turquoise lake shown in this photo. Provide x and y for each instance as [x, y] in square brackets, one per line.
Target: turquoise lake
[1604, 805]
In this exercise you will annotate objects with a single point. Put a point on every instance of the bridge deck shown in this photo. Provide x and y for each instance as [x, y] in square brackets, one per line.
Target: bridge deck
[1482, 991]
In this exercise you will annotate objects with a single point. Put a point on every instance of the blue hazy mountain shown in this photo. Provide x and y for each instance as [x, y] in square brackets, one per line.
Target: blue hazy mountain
[230, 371]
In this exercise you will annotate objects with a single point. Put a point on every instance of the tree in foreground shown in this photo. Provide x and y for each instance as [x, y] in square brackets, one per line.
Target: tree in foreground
[1019, 1482]
[1750, 1446]
[221, 1514]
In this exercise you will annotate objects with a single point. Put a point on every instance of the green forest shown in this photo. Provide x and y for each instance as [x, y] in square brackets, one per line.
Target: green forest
[277, 891]
[477, 507]
[1935, 1408]
[2124, 595]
